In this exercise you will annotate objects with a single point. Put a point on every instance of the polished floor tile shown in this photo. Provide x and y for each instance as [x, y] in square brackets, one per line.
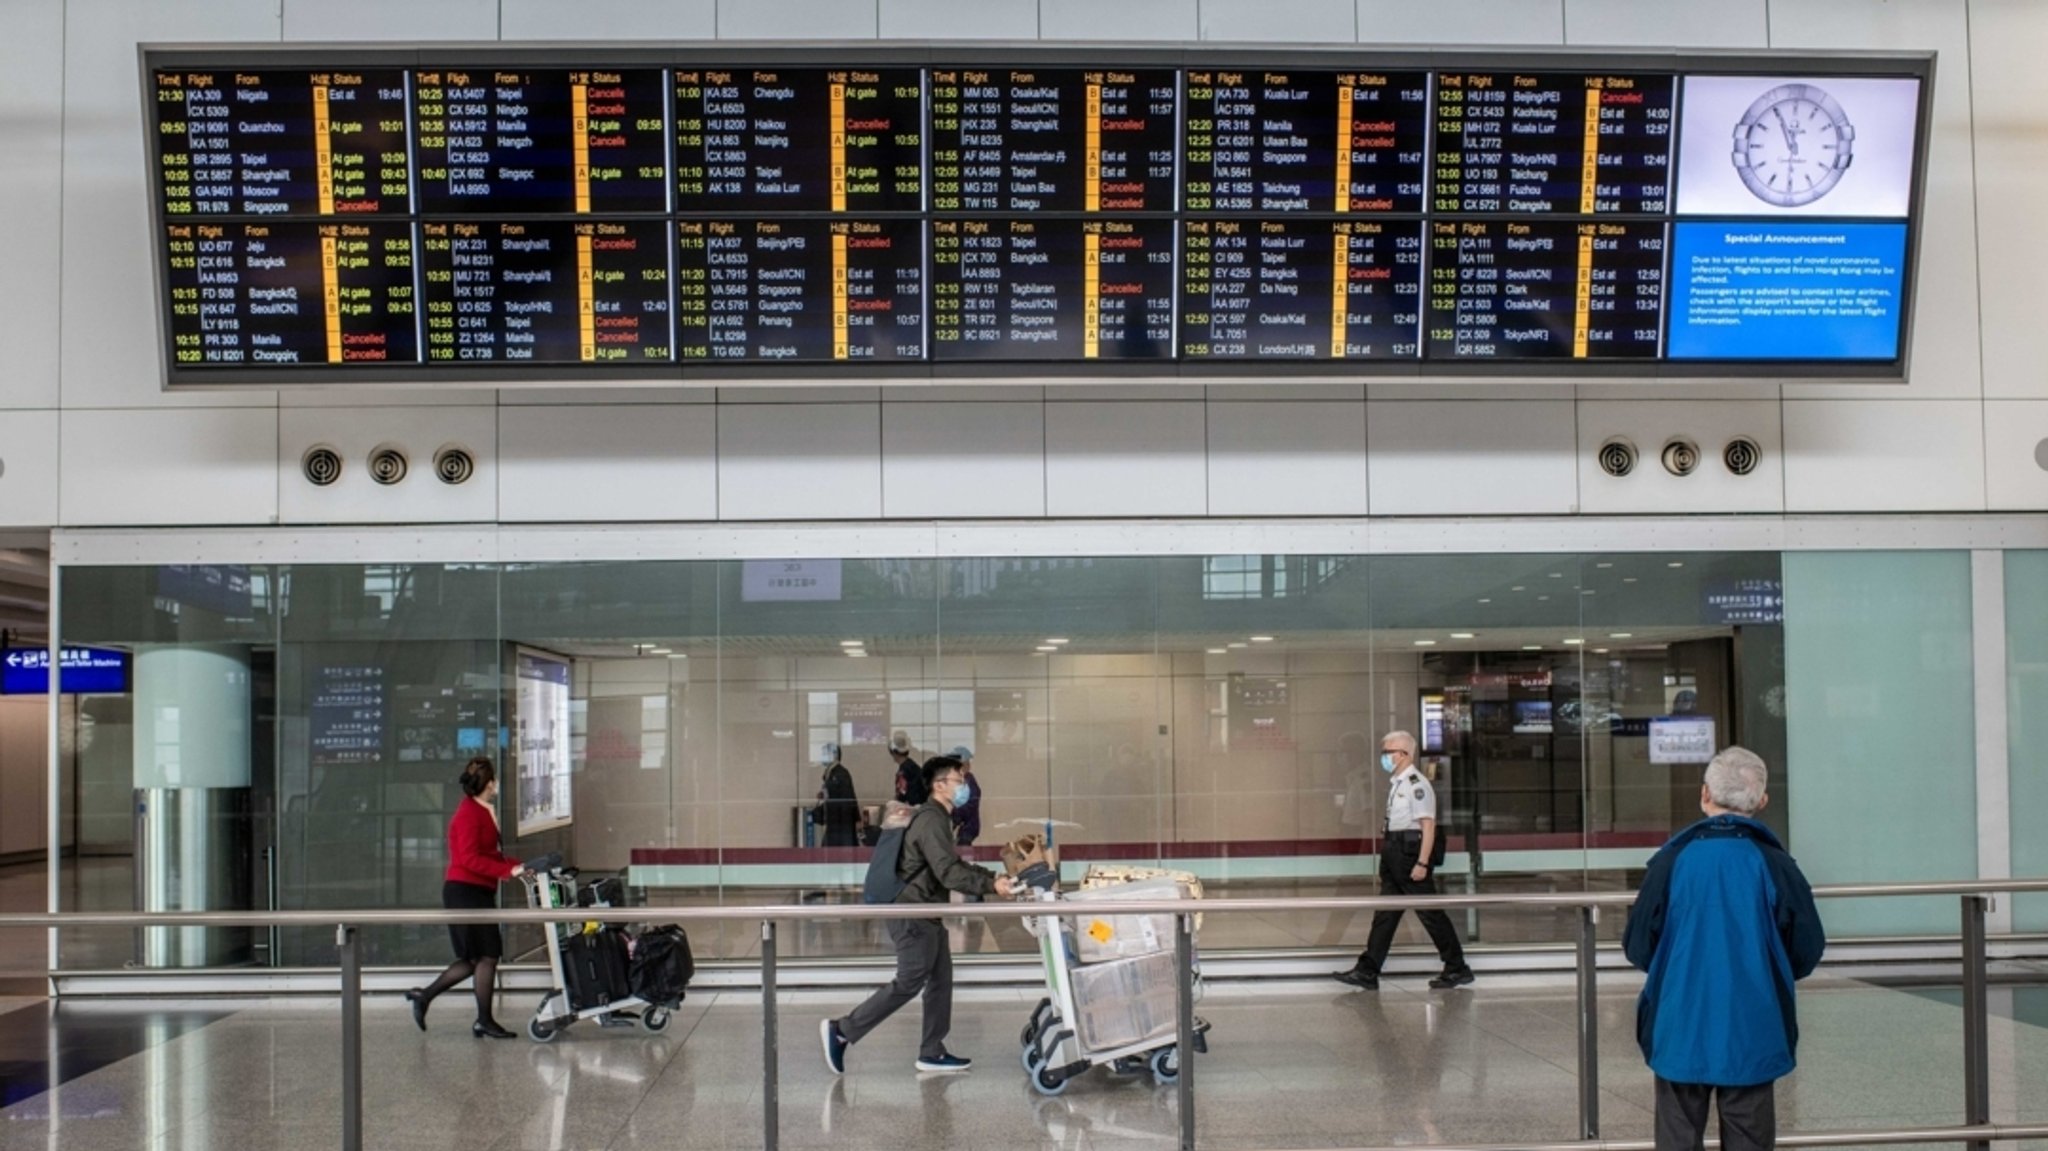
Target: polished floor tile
[1303, 1064]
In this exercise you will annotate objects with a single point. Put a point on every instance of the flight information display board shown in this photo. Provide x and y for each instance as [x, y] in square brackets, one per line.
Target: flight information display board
[672, 213]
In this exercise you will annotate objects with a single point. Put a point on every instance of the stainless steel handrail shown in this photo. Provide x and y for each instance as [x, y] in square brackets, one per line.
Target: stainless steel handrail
[1974, 895]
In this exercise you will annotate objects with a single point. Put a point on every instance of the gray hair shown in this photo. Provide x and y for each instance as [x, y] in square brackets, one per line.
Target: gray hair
[1735, 780]
[1401, 737]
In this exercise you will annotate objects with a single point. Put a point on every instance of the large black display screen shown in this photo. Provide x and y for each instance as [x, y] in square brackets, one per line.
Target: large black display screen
[676, 213]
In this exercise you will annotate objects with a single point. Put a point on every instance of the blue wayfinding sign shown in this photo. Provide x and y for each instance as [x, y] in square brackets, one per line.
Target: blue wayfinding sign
[86, 671]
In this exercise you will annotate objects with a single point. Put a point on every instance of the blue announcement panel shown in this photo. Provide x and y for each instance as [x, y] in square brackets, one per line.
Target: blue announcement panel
[1786, 291]
[86, 671]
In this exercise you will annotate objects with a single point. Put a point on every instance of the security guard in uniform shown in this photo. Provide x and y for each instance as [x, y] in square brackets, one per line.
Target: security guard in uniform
[1408, 859]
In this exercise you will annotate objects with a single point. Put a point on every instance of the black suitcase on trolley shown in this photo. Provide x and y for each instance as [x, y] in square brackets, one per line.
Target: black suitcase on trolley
[594, 965]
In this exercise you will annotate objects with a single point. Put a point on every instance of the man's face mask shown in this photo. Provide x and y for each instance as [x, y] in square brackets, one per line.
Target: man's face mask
[1388, 762]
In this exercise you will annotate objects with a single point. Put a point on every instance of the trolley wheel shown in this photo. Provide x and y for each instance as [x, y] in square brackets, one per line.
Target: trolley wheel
[1047, 1083]
[1031, 1059]
[654, 1020]
[1166, 1065]
[540, 1031]
[1127, 1065]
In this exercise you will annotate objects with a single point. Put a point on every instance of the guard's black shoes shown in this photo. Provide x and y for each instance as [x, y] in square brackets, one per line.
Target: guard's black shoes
[1450, 979]
[1358, 977]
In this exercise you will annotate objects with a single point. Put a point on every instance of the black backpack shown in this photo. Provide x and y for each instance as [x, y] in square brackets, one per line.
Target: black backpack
[883, 883]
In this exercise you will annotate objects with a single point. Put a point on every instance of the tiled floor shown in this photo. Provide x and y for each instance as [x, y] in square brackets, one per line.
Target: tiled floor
[1292, 1065]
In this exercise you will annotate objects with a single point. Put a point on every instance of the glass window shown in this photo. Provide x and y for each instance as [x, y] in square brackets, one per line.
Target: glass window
[2026, 655]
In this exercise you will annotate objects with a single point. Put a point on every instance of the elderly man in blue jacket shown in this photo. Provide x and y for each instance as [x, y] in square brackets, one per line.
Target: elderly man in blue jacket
[1725, 925]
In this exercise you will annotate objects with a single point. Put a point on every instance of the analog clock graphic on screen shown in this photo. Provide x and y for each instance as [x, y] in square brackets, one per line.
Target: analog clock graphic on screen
[1793, 145]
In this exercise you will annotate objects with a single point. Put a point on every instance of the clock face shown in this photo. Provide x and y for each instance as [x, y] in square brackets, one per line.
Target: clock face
[1793, 145]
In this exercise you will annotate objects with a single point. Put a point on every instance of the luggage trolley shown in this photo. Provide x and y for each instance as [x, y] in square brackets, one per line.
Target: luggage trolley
[590, 969]
[1121, 1011]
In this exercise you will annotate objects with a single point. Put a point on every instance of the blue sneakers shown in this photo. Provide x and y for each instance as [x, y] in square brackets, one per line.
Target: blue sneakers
[945, 1062]
[835, 1046]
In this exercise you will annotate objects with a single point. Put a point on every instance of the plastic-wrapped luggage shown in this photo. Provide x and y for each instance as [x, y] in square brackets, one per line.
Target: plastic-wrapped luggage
[662, 965]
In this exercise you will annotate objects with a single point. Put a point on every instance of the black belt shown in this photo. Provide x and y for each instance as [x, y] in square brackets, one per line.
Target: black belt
[1413, 834]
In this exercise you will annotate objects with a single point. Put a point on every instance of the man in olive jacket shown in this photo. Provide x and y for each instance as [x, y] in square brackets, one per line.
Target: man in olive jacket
[929, 866]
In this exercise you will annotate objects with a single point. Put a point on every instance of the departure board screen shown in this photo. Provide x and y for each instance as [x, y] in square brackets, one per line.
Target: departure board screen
[1037, 289]
[799, 140]
[1053, 141]
[800, 291]
[675, 213]
[1306, 141]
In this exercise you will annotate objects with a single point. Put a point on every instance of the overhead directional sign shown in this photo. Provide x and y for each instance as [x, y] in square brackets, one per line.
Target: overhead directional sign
[86, 671]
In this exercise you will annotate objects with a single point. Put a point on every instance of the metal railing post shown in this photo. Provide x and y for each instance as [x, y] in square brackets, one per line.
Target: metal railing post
[1589, 1025]
[1184, 1038]
[1976, 1019]
[348, 941]
[771, 1071]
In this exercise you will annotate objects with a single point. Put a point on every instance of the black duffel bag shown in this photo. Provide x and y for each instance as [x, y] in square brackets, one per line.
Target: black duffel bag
[662, 966]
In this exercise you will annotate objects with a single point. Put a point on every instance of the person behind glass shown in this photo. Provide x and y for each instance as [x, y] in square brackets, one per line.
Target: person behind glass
[929, 867]
[838, 809]
[967, 813]
[475, 868]
[909, 772]
[1407, 868]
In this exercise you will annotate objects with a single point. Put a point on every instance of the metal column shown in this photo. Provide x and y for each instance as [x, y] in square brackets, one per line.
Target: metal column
[1589, 1026]
[1976, 1019]
[771, 1104]
[349, 943]
[1184, 1040]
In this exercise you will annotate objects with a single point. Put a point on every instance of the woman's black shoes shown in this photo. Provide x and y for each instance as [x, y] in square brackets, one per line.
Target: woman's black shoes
[490, 1030]
[418, 998]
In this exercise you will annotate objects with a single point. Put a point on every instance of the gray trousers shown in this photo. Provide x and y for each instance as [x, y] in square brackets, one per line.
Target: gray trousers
[1749, 1116]
[924, 964]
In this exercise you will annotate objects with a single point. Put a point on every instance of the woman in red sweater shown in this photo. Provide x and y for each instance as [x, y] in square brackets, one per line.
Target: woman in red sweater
[475, 868]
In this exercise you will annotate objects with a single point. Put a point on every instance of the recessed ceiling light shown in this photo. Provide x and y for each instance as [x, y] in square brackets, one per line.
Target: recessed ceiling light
[1574, 642]
[1262, 639]
[1048, 647]
[1486, 601]
[1628, 579]
[1675, 564]
[1425, 643]
[1599, 651]
[1464, 635]
[852, 643]
[1542, 597]
[1532, 647]
[1603, 565]
[1517, 587]
[1621, 635]
[1586, 591]
[1219, 651]
[1238, 645]
[1556, 575]
[1055, 642]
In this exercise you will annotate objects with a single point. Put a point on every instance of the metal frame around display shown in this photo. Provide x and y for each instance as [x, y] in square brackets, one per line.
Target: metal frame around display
[1689, 62]
[1975, 1133]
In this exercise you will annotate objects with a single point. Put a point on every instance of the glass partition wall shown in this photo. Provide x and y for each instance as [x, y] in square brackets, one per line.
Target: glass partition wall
[667, 720]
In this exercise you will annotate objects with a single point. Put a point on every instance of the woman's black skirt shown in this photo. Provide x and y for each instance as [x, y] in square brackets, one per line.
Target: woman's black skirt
[473, 941]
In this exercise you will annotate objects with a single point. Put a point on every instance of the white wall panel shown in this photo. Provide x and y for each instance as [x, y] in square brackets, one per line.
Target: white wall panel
[1461, 22]
[1503, 457]
[1946, 361]
[610, 463]
[1884, 455]
[942, 461]
[357, 499]
[2016, 454]
[2010, 109]
[1649, 425]
[624, 21]
[28, 469]
[413, 397]
[799, 461]
[31, 198]
[1280, 21]
[1292, 458]
[573, 395]
[390, 20]
[958, 19]
[168, 467]
[109, 327]
[1668, 23]
[1125, 459]
[1125, 20]
[797, 19]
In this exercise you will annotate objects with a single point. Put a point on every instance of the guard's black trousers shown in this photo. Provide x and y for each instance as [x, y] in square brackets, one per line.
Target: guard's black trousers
[1749, 1116]
[1397, 861]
